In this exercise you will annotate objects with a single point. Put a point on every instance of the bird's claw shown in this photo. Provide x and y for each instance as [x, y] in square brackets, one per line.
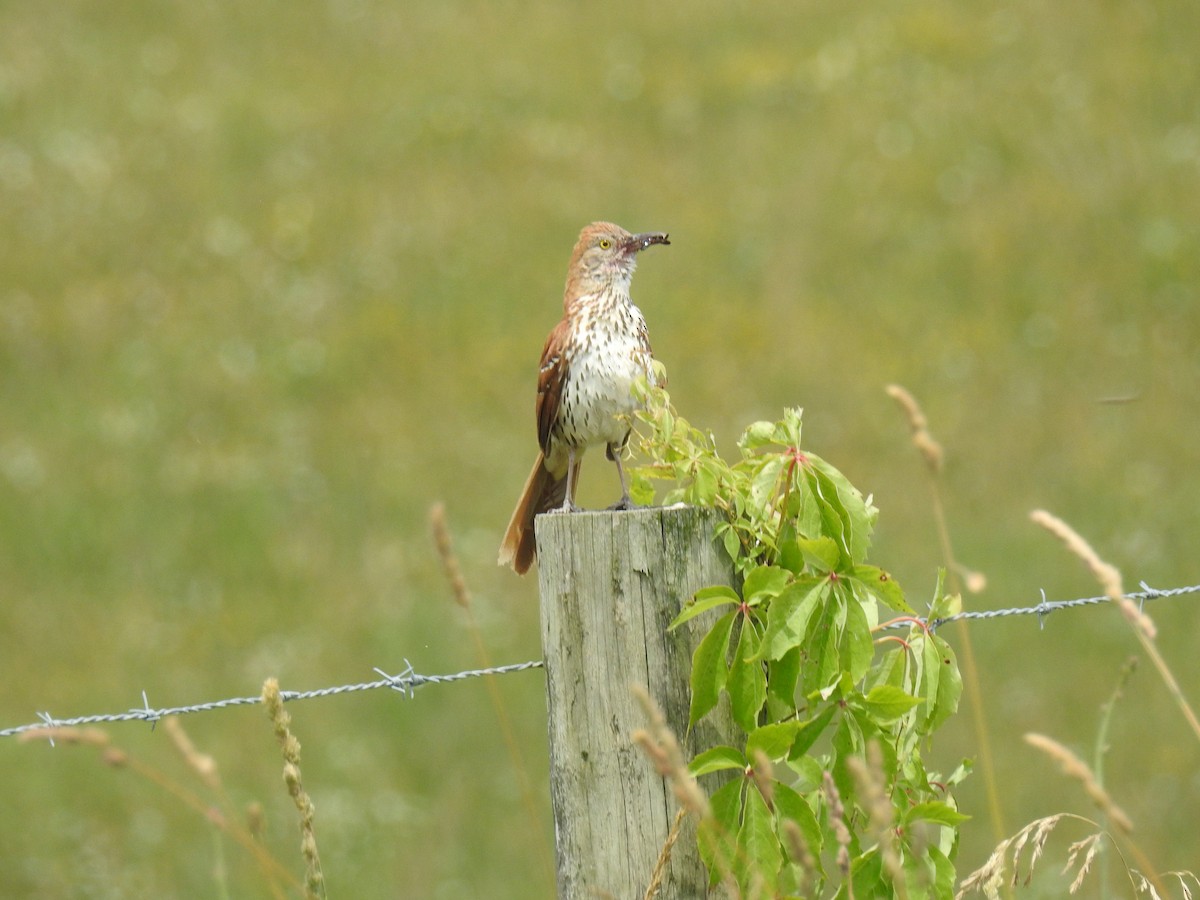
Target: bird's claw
[623, 504]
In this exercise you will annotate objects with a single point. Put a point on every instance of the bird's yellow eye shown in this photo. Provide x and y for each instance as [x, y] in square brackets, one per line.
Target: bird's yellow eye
[605, 243]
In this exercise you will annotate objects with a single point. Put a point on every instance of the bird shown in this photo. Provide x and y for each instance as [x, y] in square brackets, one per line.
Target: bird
[590, 362]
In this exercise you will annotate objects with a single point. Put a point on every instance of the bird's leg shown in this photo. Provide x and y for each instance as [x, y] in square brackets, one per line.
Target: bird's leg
[614, 453]
[568, 504]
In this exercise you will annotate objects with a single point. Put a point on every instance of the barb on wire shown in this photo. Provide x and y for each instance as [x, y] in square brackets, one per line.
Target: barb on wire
[406, 682]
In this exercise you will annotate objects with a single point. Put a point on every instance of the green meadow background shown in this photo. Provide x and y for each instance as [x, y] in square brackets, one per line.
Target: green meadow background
[274, 278]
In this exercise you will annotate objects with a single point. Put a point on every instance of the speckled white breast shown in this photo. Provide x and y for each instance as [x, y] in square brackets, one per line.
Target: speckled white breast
[610, 352]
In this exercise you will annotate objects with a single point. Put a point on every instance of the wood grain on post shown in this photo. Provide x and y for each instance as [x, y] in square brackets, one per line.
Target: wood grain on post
[611, 582]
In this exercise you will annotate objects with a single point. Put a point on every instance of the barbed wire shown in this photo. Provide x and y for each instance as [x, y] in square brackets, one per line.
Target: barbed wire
[407, 681]
[1046, 607]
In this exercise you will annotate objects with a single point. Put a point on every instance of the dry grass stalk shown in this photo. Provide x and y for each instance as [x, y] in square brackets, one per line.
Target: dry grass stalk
[664, 856]
[116, 758]
[762, 772]
[1142, 885]
[798, 849]
[1183, 877]
[1076, 768]
[961, 578]
[314, 880]
[990, 877]
[256, 820]
[445, 549]
[1146, 885]
[202, 764]
[974, 581]
[94, 737]
[1105, 573]
[662, 749]
[873, 797]
[462, 597]
[250, 835]
[837, 821]
[1092, 845]
[1110, 580]
[930, 450]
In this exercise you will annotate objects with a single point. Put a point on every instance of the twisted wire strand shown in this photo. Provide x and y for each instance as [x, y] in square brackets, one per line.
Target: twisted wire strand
[1046, 607]
[407, 681]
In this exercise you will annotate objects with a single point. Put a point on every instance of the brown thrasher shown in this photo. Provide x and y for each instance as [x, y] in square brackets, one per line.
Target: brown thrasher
[585, 381]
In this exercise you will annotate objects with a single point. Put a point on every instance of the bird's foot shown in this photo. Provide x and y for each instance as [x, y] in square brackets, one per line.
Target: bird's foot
[567, 507]
[625, 503]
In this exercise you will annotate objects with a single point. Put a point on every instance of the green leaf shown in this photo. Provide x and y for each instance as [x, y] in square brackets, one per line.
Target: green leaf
[709, 669]
[943, 604]
[757, 435]
[726, 803]
[765, 582]
[858, 646]
[666, 425]
[704, 600]
[788, 431]
[821, 553]
[809, 731]
[757, 840]
[960, 773]
[854, 516]
[832, 517]
[717, 590]
[949, 688]
[823, 665]
[782, 675]
[861, 514]
[704, 487]
[765, 482]
[789, 614]
[716, 833]
[790, 556]
[810, 774]
[883, 586]
[716, 760]
[641, 489]
[804, 507]
[867, 876]
[944, 874]
[729, 539]
[887, 703]
[791, 806]
[929, 676]
[891, 668]
[774, 740]
[747, 684]
[934, 811]
[847, 741]
[948, 605]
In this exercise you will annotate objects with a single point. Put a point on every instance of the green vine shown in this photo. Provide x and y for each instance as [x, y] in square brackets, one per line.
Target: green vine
[835, 799]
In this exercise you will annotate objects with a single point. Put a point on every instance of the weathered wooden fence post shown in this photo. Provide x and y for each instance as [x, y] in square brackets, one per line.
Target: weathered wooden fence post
[610, 584]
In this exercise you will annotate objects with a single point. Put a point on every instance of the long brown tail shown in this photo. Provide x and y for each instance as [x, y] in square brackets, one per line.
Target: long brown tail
[543, 491]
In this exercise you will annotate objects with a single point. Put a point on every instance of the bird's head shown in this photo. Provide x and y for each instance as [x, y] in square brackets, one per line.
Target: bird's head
[607, 253]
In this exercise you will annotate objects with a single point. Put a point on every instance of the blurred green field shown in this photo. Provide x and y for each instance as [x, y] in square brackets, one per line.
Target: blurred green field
[274, 278]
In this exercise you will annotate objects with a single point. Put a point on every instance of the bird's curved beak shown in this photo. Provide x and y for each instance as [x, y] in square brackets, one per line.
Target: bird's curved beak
[641, 241]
